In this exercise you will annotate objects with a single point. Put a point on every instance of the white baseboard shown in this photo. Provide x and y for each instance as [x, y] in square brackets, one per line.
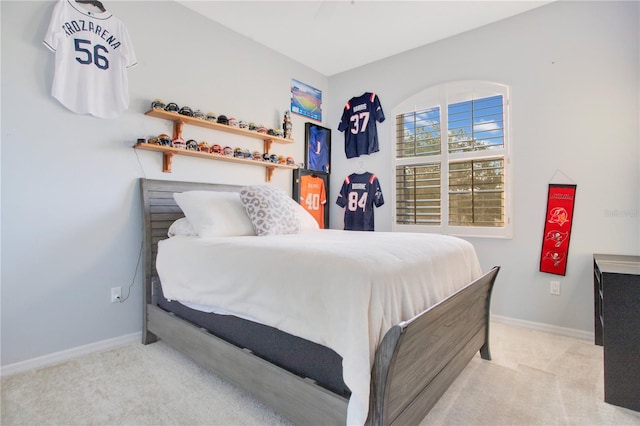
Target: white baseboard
[102, 345]
[57, 357]
[547, 328]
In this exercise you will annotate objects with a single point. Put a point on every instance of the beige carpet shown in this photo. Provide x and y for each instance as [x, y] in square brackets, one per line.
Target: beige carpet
[534, 379]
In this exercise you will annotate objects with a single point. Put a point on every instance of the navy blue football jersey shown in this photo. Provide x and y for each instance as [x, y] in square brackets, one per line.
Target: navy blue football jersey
[359, 120]
[359, 194]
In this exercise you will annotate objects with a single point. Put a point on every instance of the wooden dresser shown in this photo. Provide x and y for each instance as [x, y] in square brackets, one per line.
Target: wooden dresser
[616, 282]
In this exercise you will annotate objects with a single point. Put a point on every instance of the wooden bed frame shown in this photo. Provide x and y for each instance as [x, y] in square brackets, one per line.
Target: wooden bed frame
[414, 365]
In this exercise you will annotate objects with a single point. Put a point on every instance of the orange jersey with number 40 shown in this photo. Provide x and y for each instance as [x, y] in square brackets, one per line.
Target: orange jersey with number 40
[313, 197]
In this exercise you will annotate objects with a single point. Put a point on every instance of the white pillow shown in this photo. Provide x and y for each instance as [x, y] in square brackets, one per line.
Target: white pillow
[215, 214]
[182, 226]
[271, 210]
[307, 222]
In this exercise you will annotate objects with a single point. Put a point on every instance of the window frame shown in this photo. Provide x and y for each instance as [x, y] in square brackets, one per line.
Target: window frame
[442, 96]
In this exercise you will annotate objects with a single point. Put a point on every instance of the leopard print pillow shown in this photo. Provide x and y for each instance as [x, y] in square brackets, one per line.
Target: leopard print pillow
[271, 210]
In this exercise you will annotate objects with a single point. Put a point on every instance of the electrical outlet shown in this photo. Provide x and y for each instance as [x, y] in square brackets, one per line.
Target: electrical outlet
[555, 288]
[116, 294]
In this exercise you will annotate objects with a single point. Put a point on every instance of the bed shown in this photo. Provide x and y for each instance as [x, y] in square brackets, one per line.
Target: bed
[308, 378]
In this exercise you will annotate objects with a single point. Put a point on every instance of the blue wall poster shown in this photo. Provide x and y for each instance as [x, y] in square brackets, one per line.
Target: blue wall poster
[306, 100]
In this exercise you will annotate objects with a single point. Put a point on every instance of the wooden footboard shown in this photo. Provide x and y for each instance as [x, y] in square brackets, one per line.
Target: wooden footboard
[414, 365]
[418, 359]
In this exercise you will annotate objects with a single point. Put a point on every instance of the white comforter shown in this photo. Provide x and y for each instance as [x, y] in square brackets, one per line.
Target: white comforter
[341, 289]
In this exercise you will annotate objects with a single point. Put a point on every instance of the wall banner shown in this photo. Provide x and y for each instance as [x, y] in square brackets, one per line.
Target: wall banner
[557, 229]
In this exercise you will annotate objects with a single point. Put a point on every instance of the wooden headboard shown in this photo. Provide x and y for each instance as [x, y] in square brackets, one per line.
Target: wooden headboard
[159, 211]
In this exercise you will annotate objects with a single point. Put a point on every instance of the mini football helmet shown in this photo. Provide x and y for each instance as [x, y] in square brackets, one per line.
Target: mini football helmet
[204, 146]
[222, 119]
[278, 132]
[266, 157]
[192, 145]
[271, 132]
[281, 159]
[238, 153]
[247, 154]
[257, 155]
[262, 129]
[185, 110]
[158, 104]
[243, 124]
[233, 122]
[172, 107]
[178, 143]
[253, 126]
[216, 149]
[162, 139]
[198, 114]
[210, 117]
[290, 161]
[227, 151]
[273, 158]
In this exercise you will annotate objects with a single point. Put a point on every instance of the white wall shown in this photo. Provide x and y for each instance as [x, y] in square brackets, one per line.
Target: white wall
[71, 225]
[574, 72]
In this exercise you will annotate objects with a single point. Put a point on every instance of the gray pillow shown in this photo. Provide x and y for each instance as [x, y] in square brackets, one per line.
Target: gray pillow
[271, 210]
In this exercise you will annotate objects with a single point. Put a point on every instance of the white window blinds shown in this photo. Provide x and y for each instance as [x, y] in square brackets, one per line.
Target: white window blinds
[454, 179]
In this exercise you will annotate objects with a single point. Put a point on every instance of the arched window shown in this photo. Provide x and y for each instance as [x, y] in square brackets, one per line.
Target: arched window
[452, 166]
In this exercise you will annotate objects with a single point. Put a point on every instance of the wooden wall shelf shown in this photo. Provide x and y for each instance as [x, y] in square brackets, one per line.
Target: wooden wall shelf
[168, 153]
[180, 120]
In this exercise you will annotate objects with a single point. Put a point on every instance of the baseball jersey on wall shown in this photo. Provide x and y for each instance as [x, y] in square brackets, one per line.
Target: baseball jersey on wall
[359, 120]
[313, 197]
[93, 52]
[359, 194]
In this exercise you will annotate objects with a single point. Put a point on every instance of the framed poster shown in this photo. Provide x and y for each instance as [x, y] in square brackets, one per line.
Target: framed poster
[317, 154]
[557, 229]
[311, 191]
[306, 100]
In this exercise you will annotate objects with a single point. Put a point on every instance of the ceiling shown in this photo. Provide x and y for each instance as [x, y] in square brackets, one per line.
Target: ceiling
[339, 35]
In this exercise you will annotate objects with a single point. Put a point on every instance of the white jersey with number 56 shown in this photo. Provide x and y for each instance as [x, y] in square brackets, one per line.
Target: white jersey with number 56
[93, 52]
